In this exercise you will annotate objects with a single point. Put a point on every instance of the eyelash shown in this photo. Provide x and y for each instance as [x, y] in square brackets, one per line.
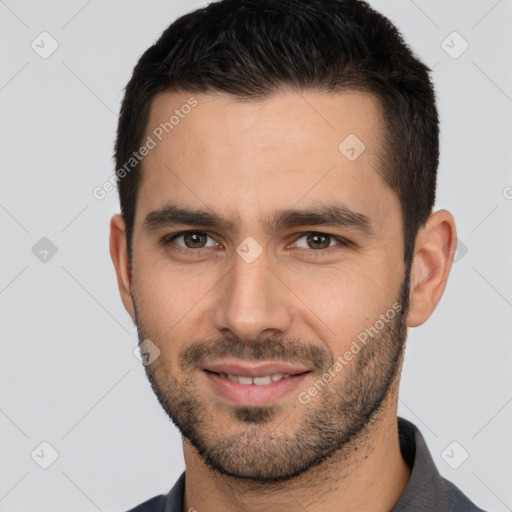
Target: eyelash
[313, 253]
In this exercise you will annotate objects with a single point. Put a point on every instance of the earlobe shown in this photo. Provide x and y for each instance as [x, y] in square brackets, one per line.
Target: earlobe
[435, 247]
[119, 255]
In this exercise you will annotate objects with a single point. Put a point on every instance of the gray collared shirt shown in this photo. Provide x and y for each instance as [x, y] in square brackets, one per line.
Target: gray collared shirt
[426, 490]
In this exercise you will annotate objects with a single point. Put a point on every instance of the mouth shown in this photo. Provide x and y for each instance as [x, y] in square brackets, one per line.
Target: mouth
[254, 384]
[263, 380]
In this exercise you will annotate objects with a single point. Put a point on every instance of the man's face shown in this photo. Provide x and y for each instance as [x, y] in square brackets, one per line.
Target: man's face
[268, 288]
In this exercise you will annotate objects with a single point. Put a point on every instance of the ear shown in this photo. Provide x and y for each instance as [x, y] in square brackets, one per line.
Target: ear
[435, 248]
[119, 255]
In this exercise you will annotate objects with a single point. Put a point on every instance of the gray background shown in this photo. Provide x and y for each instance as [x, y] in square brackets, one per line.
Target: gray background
[68, 375]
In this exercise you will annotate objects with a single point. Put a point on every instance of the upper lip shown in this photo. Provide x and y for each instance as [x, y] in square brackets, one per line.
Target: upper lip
[246, 369]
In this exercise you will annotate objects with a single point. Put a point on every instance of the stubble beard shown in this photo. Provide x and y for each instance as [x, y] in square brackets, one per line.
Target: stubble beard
[339, 416]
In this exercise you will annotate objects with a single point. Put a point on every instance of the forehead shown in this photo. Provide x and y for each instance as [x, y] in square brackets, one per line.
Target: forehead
[217, 151]
[291, 119]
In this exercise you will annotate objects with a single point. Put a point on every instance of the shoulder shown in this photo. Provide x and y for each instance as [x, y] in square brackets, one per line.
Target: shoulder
[456, 500]
[156, 504]
[173, 502]
[426, 489]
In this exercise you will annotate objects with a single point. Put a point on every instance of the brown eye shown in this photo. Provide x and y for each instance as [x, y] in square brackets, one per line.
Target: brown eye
[319, 244]
[190, 240]
[318, 241]
[195, 239]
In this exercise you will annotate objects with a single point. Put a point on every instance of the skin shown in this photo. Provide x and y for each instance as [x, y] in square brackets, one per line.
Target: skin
[246, 161]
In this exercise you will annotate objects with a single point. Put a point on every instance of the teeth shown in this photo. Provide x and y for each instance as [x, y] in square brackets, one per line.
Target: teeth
[261, 381]
[258, 381]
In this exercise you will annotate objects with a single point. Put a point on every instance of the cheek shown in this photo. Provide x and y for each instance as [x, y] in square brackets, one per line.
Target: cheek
[174, 302]
[170, 301]
[340, 304]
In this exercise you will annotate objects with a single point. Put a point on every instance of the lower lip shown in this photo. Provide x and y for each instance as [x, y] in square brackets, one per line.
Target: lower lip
[252, 395]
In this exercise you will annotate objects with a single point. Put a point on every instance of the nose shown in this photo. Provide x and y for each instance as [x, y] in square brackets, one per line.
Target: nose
[252, 301]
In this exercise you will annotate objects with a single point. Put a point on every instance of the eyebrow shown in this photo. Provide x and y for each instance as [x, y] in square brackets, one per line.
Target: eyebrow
[331, 215]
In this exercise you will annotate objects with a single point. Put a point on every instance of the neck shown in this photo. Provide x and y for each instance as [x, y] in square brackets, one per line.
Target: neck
[369, 474]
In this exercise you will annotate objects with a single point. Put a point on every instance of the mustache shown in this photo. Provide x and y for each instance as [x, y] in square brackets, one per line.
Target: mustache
[264, 349]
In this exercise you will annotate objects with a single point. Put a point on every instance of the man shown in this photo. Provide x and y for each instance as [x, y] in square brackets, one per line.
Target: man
[277, 171]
